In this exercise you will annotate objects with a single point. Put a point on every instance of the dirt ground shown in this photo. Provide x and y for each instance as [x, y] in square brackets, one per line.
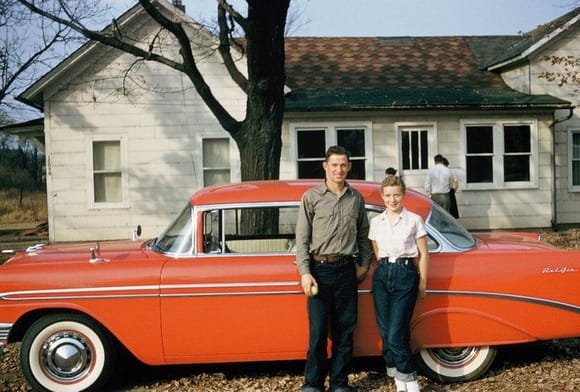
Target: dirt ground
[542, 366]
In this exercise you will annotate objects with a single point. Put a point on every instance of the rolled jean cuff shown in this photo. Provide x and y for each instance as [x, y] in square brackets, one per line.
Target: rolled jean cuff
[405, 377]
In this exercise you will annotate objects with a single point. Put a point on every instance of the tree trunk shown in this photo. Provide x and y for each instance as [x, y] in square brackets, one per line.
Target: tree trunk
[259, 139]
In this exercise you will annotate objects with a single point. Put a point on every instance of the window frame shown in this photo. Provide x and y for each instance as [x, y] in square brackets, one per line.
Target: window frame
[431, 129]
[208, 168]
[331, 131]
[498, 153]
[124, 203]
[571, 186]
[235, 174]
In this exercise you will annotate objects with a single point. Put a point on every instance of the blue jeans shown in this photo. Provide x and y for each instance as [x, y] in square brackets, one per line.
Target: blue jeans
[334, 307]
[395, 293]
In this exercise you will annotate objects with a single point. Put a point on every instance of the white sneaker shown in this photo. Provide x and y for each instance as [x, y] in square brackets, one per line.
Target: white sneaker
[401, 385]
[412, 386]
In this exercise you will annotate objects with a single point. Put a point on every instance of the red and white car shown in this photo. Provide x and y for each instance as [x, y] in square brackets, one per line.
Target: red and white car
[221, 285]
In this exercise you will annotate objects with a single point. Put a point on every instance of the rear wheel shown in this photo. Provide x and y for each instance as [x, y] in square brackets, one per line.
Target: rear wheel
[67, 353]
[455, 364]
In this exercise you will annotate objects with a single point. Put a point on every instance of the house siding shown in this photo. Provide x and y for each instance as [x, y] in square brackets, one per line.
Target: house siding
[479, 209]
[162, 130]
[526, 79]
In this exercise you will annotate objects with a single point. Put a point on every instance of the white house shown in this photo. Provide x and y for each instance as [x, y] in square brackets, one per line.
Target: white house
[127, 142]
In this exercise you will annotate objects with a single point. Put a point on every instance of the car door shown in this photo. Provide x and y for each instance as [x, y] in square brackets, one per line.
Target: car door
[239, 296]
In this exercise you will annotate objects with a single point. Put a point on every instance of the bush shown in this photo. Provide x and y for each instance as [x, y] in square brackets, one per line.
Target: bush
[34, 208]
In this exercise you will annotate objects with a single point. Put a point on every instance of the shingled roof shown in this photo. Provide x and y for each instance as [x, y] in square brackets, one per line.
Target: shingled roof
[366, 73]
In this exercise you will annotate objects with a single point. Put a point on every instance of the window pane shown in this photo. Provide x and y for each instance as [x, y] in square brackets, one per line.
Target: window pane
[107, 187]
[479, 169]
[576, 173]
[414, 149]
[213, 177]
[405, 153]
[353, 140]
[517, 138]
[216, 161]
[216, 153]
[576, 159]
[424, 151]
[358, 170]
[516, 168]
[479, 139]
[311, 144]
[107, 156]
[311, 169]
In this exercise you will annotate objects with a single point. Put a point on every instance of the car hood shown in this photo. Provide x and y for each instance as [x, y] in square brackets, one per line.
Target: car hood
[513, 241]
[77, 252]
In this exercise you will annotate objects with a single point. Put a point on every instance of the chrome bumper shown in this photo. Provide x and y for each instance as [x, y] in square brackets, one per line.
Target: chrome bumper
[4, 332]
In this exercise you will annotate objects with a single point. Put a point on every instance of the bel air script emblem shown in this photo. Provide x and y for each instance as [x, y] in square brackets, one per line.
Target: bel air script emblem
[559, 270]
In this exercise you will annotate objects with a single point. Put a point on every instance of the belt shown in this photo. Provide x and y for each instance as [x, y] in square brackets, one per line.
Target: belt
[397, 260]
[333, 258]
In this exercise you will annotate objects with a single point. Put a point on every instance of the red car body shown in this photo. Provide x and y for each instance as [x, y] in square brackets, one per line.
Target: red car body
[190, 297]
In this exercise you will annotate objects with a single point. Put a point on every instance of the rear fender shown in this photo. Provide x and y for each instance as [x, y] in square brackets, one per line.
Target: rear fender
[457, 327]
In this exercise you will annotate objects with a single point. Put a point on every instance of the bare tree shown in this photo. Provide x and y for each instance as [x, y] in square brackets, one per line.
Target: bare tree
[258, 135]
[28, 47]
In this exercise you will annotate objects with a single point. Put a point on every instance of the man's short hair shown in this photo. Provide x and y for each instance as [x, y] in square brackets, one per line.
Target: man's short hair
[439, 158]
[337, 150]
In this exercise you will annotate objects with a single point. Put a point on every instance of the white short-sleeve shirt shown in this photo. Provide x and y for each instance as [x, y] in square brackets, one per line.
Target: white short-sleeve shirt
[399, 239]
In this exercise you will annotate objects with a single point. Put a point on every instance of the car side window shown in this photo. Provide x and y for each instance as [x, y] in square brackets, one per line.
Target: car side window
[250, 230]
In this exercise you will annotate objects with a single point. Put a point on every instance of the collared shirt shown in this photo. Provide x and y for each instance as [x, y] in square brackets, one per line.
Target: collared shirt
[439, 179]
[328, 224]
[398, 239]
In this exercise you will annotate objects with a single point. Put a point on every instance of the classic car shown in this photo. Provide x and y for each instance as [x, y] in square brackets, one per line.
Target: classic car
[221, 285]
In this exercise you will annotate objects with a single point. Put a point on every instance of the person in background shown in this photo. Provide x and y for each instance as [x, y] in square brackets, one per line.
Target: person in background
[453, 210]
[390, 171]
[333, 254]
[399, 241]
[438, 183]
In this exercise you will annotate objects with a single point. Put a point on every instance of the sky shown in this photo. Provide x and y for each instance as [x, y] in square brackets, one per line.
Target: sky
[405, 17]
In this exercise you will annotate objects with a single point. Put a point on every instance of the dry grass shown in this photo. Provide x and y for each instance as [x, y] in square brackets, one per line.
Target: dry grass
[33, 208]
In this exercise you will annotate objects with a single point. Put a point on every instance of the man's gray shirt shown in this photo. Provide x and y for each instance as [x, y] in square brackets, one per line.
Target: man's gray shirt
[331, 225]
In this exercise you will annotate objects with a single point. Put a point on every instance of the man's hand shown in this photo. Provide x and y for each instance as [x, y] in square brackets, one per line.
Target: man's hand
[307, 281]
[361, 273]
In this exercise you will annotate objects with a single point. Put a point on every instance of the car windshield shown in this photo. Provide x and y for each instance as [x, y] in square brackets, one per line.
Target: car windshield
[445, 224]
[177, 238]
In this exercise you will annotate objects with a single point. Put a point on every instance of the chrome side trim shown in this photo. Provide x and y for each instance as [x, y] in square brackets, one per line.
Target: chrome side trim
[513, 297]
[4, 332]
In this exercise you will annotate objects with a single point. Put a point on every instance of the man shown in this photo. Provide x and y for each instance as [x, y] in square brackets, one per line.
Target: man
[333, 254]
[439, 182]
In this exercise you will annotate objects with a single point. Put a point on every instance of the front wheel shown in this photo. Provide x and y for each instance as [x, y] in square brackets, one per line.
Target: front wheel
[455, 364]
[67, 353]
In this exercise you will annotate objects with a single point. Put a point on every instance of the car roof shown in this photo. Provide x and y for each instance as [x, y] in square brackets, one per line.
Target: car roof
[292, 191]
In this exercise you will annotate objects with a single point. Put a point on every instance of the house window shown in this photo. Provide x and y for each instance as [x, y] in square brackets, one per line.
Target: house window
[313, 141]
[500, 155]
[216, 161]
[107, 170]
[414, 149]
[574, 154]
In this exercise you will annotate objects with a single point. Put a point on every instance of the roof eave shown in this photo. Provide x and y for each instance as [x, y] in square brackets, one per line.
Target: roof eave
[449, 107]
[535, 47]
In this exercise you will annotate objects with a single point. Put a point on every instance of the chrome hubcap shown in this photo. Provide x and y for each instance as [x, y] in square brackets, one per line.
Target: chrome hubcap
[452, 357]
[66, 356]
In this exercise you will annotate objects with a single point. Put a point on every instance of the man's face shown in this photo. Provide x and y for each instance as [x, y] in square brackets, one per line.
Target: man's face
[336, 168]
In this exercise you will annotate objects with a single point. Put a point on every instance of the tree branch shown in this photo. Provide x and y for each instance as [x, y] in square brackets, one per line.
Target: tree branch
[225, 51]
